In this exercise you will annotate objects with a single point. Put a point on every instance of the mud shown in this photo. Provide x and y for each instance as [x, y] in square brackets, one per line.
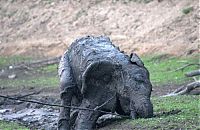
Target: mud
[33, 118]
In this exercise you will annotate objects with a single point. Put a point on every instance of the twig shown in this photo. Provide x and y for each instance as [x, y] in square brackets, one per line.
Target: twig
[96, 108]
[185, 66]
[172, 112]
[65, 106]
[39, 63]
[28, 94]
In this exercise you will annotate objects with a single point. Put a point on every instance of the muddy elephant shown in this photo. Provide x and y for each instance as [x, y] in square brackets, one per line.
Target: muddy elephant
[93, 71]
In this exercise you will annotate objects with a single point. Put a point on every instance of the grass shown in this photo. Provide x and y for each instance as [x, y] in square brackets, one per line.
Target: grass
[38, 81]
[5, 61]
[161, 68]
[40, 77]
[187, 118]
[4, 125]
[187, 10]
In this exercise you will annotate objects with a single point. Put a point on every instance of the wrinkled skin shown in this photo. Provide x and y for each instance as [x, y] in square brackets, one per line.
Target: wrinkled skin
[94, 71]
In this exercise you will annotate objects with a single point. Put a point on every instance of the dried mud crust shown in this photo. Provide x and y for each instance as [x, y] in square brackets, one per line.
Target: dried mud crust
[47, 28]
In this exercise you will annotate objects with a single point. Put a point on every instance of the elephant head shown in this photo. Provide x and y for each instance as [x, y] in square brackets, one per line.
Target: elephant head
[136, 91]
[131, 82]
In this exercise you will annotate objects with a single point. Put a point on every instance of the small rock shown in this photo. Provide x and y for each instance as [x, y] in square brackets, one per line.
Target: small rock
[12, 76]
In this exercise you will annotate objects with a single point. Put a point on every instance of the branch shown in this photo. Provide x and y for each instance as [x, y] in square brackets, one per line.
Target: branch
[193, 73]
[184, 89]
[185, 66]
[65, 106]
[189, 88]
[28, 94]
[96, 108]
[39, 63]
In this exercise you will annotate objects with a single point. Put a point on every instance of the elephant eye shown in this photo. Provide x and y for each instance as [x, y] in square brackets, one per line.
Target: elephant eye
[140, 78]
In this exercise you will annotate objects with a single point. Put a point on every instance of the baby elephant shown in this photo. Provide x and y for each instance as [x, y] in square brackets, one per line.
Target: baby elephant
[95, 74]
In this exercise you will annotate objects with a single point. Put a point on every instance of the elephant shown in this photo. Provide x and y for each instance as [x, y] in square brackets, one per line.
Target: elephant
[93, 71]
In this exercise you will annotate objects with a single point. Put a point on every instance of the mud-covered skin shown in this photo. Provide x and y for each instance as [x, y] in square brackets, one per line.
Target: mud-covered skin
[94, 71]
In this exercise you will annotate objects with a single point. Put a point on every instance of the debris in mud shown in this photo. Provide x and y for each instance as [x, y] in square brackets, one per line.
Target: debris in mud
[164, 113]
[107, 119]
[37, 116]
[34, 118]
[12, 76]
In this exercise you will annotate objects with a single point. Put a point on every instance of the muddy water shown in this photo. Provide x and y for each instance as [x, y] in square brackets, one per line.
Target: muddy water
[42, 118]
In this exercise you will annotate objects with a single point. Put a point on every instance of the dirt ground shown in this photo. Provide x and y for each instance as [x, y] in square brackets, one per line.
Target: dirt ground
[48, 27]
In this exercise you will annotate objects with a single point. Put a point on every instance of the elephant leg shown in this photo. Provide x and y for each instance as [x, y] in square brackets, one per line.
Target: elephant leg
[67, 91]
[73, 117]
[64, 117]
[86, 119]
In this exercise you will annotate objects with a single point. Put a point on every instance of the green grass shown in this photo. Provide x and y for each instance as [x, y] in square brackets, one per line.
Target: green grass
[4, 125]
[39, 77]
[161, 68]
[187, 118]
[5, 61]
[37, 81]
[187, 10]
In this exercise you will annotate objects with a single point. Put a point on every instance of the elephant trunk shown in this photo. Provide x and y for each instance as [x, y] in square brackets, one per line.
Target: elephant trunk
[141, 109]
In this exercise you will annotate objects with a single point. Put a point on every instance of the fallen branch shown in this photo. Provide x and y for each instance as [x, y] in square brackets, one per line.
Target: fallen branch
[21, 96]
[185, 66]
[172, 112]
[28, 94]
[185, 89]
[193, 73]
[36, 64]
[65, 106]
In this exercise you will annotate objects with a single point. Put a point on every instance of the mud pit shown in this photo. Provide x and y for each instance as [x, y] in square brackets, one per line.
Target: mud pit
[36, 116]
[33, 118]
[31, 115]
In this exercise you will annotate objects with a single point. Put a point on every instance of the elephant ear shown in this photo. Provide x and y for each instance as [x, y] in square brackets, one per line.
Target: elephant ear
[134, 59]
[99, 74]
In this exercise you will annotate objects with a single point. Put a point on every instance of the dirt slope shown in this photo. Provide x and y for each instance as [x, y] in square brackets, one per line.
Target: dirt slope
[47, 27]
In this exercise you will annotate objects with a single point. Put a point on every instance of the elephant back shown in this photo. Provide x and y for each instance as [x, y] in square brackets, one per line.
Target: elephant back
[88, 53]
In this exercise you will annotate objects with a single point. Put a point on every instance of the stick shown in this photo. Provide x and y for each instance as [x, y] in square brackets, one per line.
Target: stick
[57, 105]
[29, 94]
[96, 108]
[193, 73]
[39, 63]
[184, 89]
[185, 66]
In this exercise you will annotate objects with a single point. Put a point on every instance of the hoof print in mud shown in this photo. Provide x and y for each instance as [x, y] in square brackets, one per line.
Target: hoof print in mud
[95, 74]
